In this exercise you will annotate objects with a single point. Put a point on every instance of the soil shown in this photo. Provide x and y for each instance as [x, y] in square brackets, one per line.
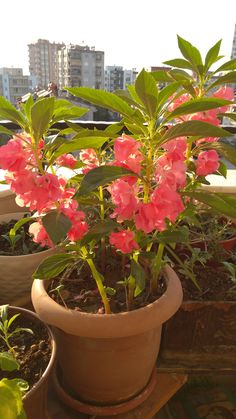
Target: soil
[33, 352]
[80, 291]
[24, 246]
[214, 282]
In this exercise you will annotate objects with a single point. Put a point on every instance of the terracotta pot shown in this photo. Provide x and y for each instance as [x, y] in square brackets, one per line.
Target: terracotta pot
[202, 334]
[16, 271]
[35, 400]
[108, 359]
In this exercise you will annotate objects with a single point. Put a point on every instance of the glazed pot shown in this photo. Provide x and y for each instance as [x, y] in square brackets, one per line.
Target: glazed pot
[16, 271]
[7, 198]
[35, 400]
[108, 359]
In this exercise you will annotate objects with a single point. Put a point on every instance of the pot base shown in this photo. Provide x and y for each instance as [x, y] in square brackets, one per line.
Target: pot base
[83, 407]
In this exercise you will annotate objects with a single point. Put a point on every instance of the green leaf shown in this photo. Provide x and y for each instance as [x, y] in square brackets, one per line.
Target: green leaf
[221, 202]
[57, 226]
[212, 55]
[179, 63]
[126, 96]
[53, 266]
[166, 92]
[198, 105]
[229, 65]
[99, 231]
[27, 106]
[19, 224]
[63, 114]
[191, 54]
[229, 115]
[177, 236]
[222, 170]
[9, 112]
[180, 75]
[226, 79]
[194, 128]
[11, 406]
[138, 273]
[41, 115]
[101, 98]
[8, 362]
[146, 89]
[162, 76]
[114, 129]
[6, 131]
[101, 176]
[78, 144]
[134, 95]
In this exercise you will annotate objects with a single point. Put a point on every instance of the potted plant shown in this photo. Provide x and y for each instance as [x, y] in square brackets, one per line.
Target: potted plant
[110, 291]
[19, 257]
[27, 356]
[201, 336]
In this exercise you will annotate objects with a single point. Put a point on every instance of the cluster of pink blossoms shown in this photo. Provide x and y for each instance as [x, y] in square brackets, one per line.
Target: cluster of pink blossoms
[38, 190]
[208, 161]
[164, 201]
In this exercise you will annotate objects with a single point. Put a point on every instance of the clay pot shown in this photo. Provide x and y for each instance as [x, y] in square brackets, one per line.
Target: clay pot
[16, 271]
[35, 400]
[108, 359]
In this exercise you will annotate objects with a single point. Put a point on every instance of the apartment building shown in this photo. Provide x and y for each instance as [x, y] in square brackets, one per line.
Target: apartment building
[117, 78]
[14, 84]
[80, 66]
[42, 61]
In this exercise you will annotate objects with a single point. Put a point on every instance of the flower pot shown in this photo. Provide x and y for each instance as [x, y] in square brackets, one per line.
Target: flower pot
[108, 359]
[16, 271]
[35, 400]
[201, 335]
[7, 198]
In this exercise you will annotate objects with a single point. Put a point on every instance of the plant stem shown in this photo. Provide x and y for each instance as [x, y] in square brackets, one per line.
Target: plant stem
[101, 289]
[103, 247]
[156, 268]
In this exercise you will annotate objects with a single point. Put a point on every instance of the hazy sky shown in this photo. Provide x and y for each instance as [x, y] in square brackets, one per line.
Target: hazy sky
[133, 33]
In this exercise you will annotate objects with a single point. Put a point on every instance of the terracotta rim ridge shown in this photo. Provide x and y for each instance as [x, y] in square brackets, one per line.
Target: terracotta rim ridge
[44, 376]
[104, 410]
[112, 325]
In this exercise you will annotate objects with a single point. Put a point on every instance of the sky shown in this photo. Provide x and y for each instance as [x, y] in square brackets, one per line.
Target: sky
[132, 33]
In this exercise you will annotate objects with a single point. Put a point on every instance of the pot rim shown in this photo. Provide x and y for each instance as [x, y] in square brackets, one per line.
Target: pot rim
[19, 215]
[111, 325]
[50, 365]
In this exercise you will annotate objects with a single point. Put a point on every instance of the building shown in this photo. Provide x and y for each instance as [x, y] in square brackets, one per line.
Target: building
[42, 61]
[117, 78]
[80, 66]
[14, 85]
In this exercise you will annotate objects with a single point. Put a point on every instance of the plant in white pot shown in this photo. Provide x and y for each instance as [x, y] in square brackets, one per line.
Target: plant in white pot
[110, 291]
[19, 257]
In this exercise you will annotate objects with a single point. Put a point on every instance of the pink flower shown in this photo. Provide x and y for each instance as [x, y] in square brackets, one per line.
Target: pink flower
[178, 101]
[67, 160]
[147, 218]
[89, 157]
[79, 226]
[177, 147]
[171, 172]
[168, 203]
[224, 92]
[126, 151]
[207, 163]
[123, 196]
[124, 241]
[12, 156]
[40, 235]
